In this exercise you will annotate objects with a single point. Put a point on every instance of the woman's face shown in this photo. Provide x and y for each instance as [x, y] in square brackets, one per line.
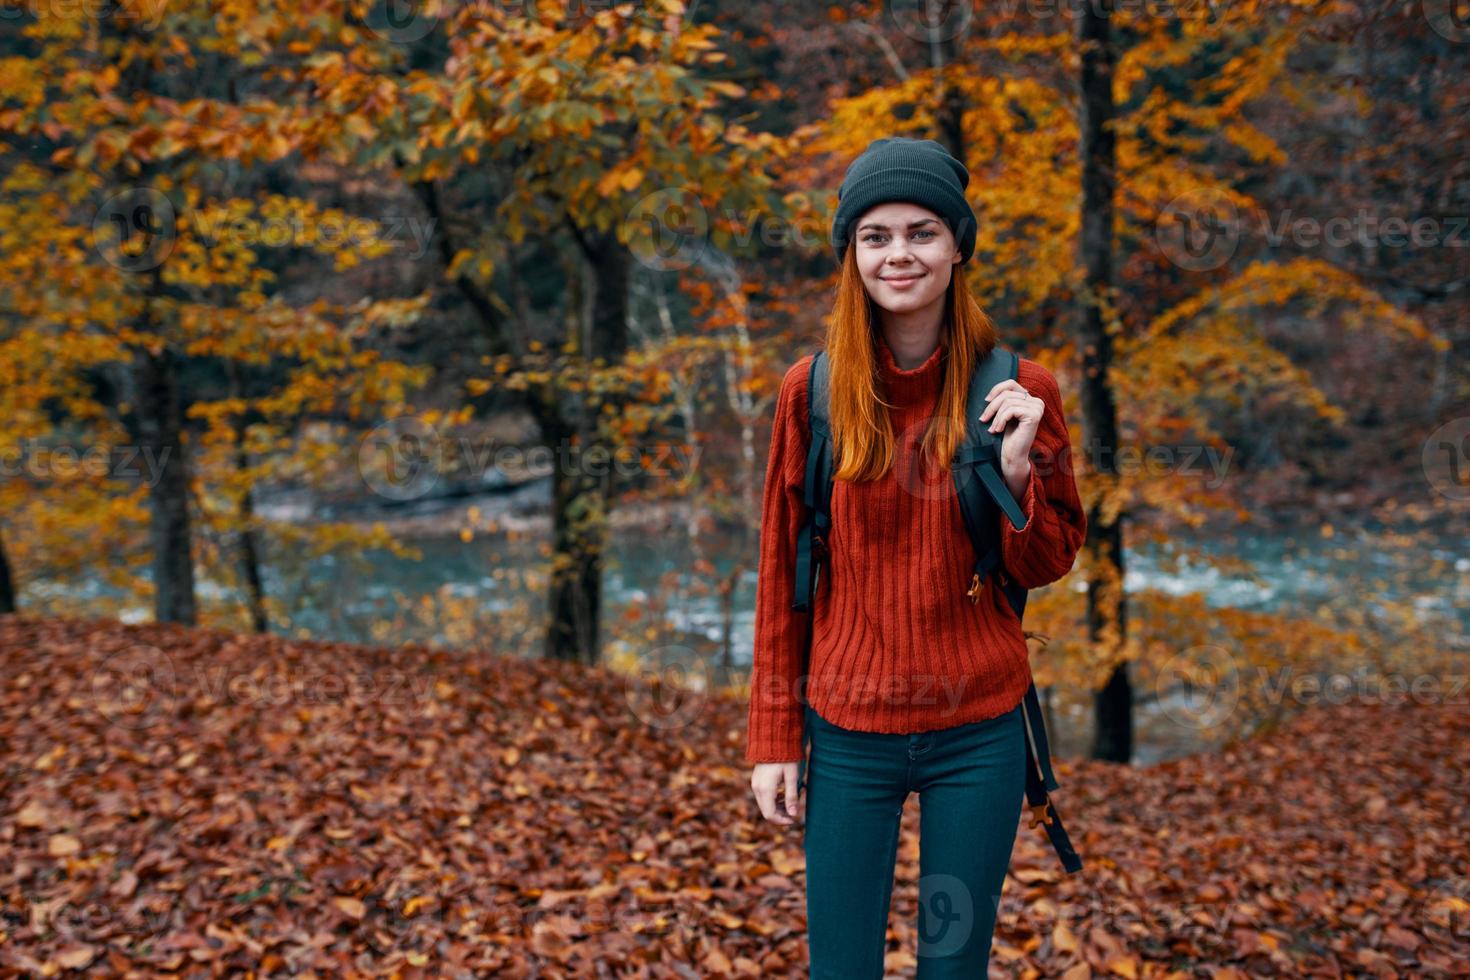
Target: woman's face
[906, 254]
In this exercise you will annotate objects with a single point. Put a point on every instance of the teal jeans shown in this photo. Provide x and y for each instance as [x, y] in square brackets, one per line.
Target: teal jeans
[970, 779]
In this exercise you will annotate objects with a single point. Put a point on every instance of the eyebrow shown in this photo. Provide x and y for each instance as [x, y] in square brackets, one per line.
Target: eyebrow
[912, 224]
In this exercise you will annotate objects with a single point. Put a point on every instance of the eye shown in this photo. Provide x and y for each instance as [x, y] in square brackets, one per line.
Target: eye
[871, 236]
[924, 231]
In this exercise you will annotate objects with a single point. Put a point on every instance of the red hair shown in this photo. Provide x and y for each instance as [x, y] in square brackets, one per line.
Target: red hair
[863, 437]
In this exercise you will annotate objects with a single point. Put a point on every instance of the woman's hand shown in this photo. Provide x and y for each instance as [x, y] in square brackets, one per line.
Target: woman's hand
[765, 779]
[1015, 410]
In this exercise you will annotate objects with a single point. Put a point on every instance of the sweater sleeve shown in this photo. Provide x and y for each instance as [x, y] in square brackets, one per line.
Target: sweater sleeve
[1056, 524]
[776, 713]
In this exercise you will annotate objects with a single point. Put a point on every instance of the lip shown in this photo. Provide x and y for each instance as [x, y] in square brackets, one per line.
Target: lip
[903, 282]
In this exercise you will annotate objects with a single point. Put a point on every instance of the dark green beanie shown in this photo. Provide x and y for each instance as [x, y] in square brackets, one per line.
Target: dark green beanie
[899, 168]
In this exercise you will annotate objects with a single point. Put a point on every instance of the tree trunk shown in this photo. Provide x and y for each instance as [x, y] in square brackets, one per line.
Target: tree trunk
[249, 545]
[1113, 705]
[568, 420]
[250, 553]
[7, 584]
[160, 427]
[944, 50]
[250, 562]
[583, 484]
[579, 537]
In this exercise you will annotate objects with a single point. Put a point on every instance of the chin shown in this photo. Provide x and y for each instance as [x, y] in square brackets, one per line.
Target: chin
[907, 304]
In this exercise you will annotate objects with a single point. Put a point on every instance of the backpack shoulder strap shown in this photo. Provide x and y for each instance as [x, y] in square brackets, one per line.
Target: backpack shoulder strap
[977, 477]
[811, 543]
[980, 444]
[981, 490]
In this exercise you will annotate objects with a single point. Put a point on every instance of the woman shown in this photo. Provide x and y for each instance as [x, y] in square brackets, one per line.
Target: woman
[912, 686]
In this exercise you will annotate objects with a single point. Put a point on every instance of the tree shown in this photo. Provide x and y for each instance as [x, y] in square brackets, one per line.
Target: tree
[129, 257]
[1172, 301]
[586, 150]
[1113, 732]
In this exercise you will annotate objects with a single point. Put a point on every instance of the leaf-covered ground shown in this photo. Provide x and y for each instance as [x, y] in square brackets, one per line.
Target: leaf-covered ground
[199, 803]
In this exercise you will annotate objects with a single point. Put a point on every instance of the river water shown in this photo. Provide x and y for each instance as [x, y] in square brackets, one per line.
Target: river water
[347, 600]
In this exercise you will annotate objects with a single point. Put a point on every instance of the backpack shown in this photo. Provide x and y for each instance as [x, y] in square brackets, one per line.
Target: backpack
[983, 498]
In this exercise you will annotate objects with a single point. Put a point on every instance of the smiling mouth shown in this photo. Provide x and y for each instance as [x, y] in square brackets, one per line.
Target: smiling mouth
[903, 278]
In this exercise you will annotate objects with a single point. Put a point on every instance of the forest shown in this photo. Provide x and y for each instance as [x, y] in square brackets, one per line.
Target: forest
[387, 388]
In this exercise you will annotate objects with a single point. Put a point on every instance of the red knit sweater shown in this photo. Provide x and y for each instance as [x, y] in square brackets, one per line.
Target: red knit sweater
[896, 644]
